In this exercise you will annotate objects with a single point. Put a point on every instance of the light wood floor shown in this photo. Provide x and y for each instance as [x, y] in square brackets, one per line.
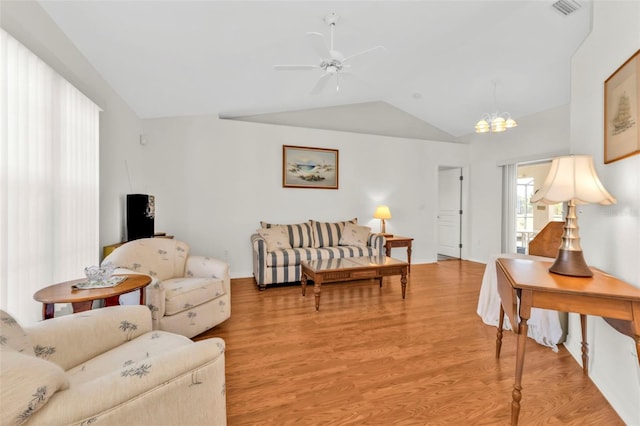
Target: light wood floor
[370, 358]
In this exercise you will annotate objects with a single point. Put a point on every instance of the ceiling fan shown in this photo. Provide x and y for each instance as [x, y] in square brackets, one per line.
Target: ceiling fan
[332, 61]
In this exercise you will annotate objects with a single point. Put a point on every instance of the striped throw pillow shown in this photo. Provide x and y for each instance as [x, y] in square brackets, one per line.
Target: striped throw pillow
[327, 234]
[300, 234]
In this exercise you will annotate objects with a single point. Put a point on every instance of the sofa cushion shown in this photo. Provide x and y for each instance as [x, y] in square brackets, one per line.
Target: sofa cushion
[23, 394]
[355, 235]
[276, 237]
[293, 257]
[13, 336]
[185, 293]
[300, 234]
[327, 234]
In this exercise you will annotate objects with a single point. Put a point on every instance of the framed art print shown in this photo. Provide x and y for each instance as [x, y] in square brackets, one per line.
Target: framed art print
[304, 167]
[621, 113]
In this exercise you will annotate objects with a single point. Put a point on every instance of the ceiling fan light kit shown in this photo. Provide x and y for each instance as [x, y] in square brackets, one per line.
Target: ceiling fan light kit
[333, 63]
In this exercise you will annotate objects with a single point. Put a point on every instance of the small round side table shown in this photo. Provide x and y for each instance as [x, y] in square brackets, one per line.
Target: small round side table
[82, 299]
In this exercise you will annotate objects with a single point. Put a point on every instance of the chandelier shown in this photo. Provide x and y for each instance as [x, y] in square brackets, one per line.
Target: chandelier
[495, 122]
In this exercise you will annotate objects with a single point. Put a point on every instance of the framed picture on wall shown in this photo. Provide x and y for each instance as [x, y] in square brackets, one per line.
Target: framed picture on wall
[304, 167]
[621, 112]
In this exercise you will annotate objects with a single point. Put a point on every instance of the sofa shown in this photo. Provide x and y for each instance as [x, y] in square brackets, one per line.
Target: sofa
[108, 367]
[278, 249]
[188, 294]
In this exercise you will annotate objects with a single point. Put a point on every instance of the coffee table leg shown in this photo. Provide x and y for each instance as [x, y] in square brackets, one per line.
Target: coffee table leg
[317, 282]
[304, 284]
[403, 281]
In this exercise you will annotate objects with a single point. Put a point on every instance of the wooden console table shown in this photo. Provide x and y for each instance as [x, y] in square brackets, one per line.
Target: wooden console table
[530, 282]
[398, 241]
[82, 299]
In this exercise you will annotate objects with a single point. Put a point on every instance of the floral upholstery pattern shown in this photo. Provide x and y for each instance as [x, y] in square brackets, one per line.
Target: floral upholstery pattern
[354, 235]
[126, 373]
[12, 335]
[188, 294]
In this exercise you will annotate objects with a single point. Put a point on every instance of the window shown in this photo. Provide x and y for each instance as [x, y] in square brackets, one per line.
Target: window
[49, 179]
[524, 210]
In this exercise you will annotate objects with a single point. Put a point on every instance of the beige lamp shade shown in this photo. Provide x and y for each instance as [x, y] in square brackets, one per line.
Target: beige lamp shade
[573, 177]
[382, 212]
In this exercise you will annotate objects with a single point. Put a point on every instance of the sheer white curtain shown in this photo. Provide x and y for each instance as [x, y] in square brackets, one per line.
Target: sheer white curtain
[509, 179]
[49, 180]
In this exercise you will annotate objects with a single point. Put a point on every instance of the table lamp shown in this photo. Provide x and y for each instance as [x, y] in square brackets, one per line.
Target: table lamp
[572, 179]
[382, 213]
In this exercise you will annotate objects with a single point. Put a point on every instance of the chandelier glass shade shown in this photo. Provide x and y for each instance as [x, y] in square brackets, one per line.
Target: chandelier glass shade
[495, 123]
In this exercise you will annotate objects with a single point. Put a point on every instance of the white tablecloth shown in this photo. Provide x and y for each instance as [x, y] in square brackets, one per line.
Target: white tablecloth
[546, 327]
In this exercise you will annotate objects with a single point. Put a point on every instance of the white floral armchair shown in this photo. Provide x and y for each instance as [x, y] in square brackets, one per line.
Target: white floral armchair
[108, 367]
[188, 294]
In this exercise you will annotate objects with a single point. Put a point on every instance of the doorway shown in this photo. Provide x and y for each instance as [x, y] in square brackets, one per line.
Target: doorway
[529, 219]
[450, 213]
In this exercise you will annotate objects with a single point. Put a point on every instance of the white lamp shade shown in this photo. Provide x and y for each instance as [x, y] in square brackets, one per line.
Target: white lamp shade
[575, 178]
[382, 212]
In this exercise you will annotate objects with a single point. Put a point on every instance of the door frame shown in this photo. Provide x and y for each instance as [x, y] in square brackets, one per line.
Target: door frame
[465, 222]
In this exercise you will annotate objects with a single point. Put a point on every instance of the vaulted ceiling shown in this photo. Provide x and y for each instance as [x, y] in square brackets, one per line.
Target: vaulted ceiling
[438, 66]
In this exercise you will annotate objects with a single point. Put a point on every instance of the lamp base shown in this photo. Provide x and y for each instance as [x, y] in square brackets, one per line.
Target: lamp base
[571, 263]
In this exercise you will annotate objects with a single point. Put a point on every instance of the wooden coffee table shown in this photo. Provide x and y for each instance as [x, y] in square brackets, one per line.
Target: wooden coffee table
[82, 300]
[351, 269]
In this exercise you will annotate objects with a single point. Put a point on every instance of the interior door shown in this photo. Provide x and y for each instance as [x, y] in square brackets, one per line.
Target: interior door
[449, 211]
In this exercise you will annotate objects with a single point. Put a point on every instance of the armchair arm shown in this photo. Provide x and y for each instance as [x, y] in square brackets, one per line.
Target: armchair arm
[155, 296]
[377, 241]
[259, 246]
[73, 339]
[154, 381]
[208, 267]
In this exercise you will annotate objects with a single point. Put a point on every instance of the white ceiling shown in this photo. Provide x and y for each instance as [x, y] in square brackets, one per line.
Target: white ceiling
[176, 58]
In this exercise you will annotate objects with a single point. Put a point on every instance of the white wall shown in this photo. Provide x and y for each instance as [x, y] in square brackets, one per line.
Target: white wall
[119, 125]
[215, 180]
[536, 137]
[610, 235]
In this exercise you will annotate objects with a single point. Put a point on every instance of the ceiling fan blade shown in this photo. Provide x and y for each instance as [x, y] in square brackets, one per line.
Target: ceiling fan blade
[321, 83]
[363, 52]
[295, 67]
[317, 43]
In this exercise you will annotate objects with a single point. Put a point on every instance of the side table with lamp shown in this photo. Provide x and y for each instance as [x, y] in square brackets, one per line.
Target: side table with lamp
[382, 212]
[569, 284]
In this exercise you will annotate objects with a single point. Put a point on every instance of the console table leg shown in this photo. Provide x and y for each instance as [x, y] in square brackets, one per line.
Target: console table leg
[517, 386]
[499, 336]
[585, 345]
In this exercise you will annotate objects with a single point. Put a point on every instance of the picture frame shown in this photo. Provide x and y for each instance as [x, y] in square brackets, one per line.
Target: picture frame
[306, 167]
[622, 112]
